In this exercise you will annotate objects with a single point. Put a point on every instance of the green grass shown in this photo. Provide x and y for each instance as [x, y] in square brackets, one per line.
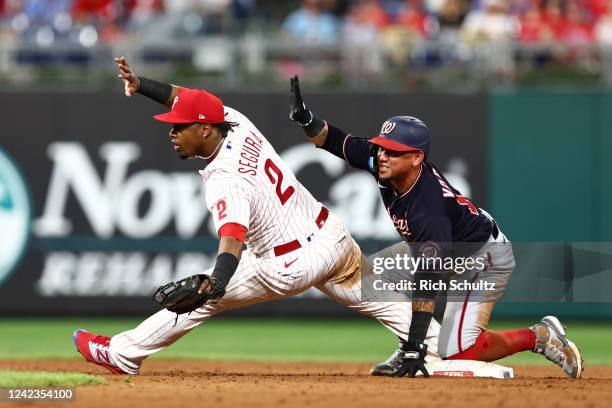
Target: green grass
[358, 340]
[22, 379]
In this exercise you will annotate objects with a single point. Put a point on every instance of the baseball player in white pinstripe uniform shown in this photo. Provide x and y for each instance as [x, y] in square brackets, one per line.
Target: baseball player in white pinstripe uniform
[293, 242]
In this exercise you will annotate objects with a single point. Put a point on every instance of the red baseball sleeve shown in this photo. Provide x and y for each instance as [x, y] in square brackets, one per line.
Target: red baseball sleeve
[233, 229]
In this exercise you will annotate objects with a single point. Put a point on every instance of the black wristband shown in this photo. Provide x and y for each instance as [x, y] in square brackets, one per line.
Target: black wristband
[426, 284]
[315, 126]
[418, 327]
[158, 91]
[225, 267]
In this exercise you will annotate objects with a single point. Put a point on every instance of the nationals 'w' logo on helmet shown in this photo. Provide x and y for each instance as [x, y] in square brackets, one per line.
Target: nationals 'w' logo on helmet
[387, 127]
[403, 134]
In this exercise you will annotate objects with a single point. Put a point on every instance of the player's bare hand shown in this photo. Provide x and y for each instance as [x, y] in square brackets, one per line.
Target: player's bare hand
[131, 83]
[297, 109]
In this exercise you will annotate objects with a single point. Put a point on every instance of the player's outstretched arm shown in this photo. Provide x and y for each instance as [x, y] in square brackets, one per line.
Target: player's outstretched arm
[230, 250]
[132, 83]
[356, 151]
[193, 292]
[314, 127]
[434, 233]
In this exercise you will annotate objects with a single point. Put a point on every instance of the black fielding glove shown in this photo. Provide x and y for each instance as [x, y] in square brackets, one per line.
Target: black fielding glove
[186, 296]
[299, 113]
[413, 360]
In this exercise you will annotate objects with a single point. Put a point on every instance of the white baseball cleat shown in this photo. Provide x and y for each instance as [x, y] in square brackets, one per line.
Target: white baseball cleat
[552, 342]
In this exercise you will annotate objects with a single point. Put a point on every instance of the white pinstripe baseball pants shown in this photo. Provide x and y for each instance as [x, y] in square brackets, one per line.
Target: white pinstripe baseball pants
[330, 262]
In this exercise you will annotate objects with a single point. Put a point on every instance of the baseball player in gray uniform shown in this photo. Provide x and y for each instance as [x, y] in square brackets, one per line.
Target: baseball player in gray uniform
[438, 222]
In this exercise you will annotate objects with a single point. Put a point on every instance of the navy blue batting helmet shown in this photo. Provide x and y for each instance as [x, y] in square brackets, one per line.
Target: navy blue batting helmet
[403, 134]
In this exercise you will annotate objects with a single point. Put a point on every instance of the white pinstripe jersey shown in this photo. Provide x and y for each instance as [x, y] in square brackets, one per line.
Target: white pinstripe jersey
[248, 183]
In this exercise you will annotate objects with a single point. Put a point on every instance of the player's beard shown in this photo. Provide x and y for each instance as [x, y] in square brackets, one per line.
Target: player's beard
[385, 175]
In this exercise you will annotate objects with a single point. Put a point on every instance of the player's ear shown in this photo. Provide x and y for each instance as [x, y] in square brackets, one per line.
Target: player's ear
[419, 158]
[206, 129]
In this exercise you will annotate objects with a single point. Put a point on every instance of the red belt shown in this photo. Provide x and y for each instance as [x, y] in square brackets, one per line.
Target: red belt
[295, 244]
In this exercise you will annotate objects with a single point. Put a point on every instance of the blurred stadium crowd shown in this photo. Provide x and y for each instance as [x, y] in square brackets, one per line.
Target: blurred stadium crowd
[366, 40]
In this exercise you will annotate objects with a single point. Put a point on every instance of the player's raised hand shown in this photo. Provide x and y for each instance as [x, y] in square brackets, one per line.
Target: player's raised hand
[413, 360]
[297, 109]
[130, 80]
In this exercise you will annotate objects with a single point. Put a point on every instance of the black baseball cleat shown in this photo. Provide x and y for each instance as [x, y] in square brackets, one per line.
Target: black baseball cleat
[388, 367]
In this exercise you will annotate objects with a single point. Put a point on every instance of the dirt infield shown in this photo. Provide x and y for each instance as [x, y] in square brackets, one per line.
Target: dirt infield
[224, 384]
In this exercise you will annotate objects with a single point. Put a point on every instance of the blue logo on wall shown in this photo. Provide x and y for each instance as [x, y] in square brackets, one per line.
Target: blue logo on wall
[15, 216]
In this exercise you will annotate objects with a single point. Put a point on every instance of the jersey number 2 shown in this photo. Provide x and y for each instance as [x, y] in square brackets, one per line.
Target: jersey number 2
[221, 207]
[271, 170]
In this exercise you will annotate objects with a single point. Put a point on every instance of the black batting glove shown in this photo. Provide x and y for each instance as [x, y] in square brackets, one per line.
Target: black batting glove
[413, 360]
[298, 112]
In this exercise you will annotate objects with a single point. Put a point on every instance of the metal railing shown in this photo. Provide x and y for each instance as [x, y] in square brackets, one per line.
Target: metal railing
[264, 61]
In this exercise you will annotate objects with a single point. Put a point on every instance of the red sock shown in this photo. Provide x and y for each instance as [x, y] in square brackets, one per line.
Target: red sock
[493, 345]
